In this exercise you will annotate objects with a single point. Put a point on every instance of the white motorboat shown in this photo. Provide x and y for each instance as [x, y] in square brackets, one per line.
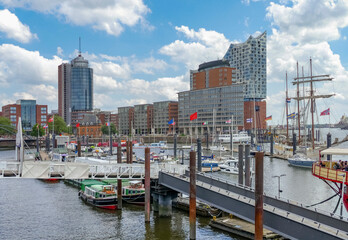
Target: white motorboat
[236, 138]
[301, 160]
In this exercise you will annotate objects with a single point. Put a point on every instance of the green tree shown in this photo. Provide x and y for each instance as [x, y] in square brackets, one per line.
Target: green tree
[6, 127]
[35, 130]
[105, 129]
[59, 125]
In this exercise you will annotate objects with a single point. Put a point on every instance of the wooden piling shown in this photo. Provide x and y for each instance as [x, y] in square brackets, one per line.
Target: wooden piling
[240, 164]
[147, 184]
[119, 181]
[130, 151]
[78, 147]
[192, 195]
[247, 165]
[258, 195]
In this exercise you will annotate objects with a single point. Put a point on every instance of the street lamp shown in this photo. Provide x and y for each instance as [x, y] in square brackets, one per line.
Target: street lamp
[342, 189]
[279, 176]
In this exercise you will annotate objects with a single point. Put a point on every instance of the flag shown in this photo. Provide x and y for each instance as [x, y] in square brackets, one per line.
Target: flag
[37, 126]
[288, 100]
[229, 121]
[51, 119]
[46, 126]
[107, 124]
[204, 123]
[171, 122]
[77, 124]
[268, 118]
[249, 120]
[292, 115]
[326, 112]
[193, 116]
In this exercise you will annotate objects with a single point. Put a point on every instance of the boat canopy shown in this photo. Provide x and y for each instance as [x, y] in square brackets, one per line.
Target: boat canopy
[335, 151]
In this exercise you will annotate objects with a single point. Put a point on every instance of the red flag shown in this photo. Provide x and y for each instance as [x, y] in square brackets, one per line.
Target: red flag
[193, 116]
[77, 124]
[326, 112]
[51, 119]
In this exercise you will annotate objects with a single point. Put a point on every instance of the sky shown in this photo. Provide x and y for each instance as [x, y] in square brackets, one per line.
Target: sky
[141, 51]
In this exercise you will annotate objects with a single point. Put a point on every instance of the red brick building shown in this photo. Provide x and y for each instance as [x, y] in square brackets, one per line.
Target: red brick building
[260, 115]
[30, 113]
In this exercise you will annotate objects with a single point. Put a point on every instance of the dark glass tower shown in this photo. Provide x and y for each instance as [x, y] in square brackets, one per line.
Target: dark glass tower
[81, 85]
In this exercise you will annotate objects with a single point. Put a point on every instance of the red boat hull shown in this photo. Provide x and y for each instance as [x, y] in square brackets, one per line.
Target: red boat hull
[111, 207]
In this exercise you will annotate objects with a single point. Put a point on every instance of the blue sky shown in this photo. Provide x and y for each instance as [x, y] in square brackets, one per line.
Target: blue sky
[142, 51]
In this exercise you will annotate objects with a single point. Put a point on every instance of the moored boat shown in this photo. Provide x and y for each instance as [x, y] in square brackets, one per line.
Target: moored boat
[301, 160]
[98, 194]
[134, 193]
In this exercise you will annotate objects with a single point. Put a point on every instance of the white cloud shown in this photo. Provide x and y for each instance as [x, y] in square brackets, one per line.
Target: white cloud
[307, 36]
[23, 95]
[110, 16]
[206, 46]
[13, 28]
[20, 66]
[60, 51]
[111, 69]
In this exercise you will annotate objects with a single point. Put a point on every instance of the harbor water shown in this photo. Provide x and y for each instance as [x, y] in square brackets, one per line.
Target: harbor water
[33, 209]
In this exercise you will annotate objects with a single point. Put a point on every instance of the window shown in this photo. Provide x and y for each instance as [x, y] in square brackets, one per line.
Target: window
[13, 118]
[43, 118]
[43, 110]
[13, 110]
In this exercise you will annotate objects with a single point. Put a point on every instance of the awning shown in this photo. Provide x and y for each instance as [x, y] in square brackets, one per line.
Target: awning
[335, 151]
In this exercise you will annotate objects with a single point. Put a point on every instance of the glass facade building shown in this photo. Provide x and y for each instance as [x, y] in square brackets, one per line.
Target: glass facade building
[28, 113]
[81, 85]
[75, 88]
[250, 60]
[214, 107]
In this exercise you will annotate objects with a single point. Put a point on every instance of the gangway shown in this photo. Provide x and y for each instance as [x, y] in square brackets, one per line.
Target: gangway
[83, 170]
[288, 218]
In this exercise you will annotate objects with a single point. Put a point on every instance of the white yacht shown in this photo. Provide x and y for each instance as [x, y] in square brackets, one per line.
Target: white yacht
[237, 138]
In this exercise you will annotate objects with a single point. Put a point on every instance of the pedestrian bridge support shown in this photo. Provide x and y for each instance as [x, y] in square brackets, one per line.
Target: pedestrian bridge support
[288, 219]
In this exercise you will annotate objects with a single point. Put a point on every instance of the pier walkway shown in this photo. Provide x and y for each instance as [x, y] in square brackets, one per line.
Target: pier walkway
[288, 218]
[84, 170]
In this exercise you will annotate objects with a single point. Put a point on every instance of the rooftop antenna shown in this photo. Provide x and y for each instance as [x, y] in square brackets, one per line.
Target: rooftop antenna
[79, 46]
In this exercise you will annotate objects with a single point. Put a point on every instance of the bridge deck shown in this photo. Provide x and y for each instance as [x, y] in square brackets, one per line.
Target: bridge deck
[284, 222]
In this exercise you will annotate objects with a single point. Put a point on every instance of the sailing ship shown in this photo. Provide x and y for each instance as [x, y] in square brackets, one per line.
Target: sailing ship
[306, 140]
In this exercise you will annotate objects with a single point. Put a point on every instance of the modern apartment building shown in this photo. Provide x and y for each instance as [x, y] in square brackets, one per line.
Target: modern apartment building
[250, 60]
[125, 120]
[75, 87]
[212, 74]
[30, 113]
[163, 112]
[215, 108]
[141, 118]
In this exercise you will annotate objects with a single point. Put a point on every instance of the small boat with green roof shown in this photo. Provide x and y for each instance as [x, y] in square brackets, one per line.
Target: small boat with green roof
[98, 193]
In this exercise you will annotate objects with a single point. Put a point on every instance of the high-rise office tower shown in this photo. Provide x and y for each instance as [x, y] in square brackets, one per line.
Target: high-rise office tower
[250, 60]
[75, 87]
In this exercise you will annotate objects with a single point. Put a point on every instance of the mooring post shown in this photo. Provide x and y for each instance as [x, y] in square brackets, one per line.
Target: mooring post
[110, 144]
[294, 143]
[258, 195]
[47, 144]
[147, 184]
[130, 151]
[247, 165]
[207, 139]
[240, 164]
[328, 144]
[53, 141]
[119, 181]
[252, 139]
[175, 139]
[271, 149]
[192, 195]
[199, 154]
[37, 143]
[78, 147]
[87, 144]
[127, 150]
[318, 135]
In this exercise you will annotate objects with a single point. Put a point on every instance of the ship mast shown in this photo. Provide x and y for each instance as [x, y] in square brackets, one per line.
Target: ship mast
[286, 101]
[310, 79]
[298, 107]
[312, 102]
